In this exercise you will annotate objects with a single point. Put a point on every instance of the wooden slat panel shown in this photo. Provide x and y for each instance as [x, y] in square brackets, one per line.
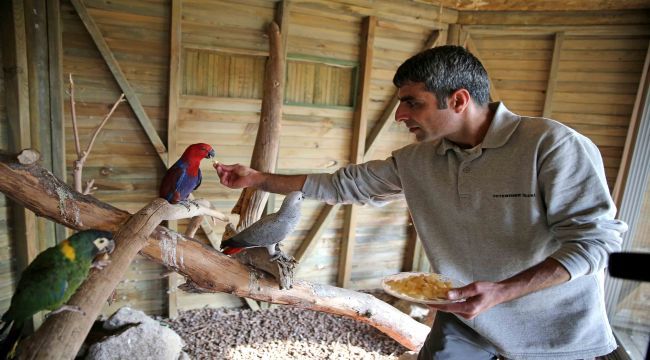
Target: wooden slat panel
[121, 79]
[312, 83]
[212, 73]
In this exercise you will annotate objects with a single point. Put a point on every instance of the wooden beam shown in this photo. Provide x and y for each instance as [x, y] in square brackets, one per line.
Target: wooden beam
[369, 25]
[453, 34]
[552, 75]
[384, 121]
[115, 69]
[282, 19]
[14, 42]
[36, 38]
[632, 131]
[172, 128]
[537, 6]
[15, 67]
[471, 47]
[568, 30]
[412, 252]
[57, 117]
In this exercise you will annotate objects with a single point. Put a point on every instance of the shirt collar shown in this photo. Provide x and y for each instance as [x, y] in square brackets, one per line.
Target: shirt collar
[503, 125]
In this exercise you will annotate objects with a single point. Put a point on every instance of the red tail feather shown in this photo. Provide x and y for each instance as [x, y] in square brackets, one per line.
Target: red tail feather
[232, 250]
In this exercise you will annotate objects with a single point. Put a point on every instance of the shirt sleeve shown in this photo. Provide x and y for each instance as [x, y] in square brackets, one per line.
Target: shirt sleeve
[374, 182]
[580, 210]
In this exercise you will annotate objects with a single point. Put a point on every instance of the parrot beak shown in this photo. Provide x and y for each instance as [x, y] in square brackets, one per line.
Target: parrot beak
[210, 154]
[110, 247]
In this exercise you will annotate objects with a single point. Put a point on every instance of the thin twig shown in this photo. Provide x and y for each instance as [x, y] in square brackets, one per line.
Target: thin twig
[101, 125]
[82, 156]
[89, 187]
[73, 110]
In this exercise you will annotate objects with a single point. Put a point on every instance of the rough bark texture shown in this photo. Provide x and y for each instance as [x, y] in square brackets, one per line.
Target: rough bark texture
[206, 268]
[267, 142]
[265, 154]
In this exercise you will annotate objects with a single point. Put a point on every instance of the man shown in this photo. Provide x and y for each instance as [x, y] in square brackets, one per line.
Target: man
[516, 207]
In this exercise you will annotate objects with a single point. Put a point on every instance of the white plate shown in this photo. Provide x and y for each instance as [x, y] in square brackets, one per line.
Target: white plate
[455, 284]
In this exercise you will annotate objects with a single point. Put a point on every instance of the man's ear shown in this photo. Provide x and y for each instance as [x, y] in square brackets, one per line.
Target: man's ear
[459, 100]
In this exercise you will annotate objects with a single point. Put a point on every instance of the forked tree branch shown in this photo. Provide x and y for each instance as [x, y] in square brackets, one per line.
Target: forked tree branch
[207, 269]
[83, 155]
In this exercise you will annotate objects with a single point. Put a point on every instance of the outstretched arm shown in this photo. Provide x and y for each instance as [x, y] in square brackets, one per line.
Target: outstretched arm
[238, 176]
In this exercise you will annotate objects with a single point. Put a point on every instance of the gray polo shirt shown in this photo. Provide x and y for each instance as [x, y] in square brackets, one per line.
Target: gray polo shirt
[533, 189]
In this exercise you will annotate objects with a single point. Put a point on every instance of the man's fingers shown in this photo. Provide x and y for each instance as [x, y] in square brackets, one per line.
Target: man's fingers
[462, 292]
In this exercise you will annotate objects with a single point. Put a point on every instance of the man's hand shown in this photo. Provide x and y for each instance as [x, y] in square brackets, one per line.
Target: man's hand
[237, 176]
[483, 295]
[480, 296]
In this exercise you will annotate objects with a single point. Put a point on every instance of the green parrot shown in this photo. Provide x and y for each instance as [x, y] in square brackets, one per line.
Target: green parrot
[51, 279]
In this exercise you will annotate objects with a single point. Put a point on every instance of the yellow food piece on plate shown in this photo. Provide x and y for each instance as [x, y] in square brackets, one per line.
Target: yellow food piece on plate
[423, 286]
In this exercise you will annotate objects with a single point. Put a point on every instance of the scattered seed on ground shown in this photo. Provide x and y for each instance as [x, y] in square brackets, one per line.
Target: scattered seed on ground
[280, 333]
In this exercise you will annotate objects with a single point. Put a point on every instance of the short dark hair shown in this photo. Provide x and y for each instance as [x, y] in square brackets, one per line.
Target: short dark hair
[443, 70]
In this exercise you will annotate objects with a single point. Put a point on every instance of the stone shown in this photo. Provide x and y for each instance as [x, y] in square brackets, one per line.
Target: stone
[125, 316]
[144, 339]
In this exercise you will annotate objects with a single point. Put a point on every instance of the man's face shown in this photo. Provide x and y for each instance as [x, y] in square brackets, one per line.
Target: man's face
[418, 110]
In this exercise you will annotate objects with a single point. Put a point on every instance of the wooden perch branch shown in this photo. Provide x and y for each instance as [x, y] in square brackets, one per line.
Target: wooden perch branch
[62, 335]
[38, 190]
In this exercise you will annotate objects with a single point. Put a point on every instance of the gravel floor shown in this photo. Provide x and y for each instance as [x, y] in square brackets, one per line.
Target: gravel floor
[280, 333]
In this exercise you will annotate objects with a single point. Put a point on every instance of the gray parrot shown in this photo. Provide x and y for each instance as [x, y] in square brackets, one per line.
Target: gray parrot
[269, 230]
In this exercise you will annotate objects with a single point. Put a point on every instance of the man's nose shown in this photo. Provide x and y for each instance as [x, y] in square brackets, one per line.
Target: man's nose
[401, 114]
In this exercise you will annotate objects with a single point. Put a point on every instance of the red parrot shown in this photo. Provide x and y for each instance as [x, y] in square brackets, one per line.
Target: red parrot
[185, 176]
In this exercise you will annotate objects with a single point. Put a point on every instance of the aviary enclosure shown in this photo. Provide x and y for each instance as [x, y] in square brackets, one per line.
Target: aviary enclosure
[293, 86]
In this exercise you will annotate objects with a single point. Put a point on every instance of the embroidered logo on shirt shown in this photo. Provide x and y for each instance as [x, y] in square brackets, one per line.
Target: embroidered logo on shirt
[513, 195]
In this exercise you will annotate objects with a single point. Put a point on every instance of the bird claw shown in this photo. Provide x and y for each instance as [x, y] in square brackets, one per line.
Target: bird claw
[73, 308]
[188, 203]
[280, 256]
[100, 264]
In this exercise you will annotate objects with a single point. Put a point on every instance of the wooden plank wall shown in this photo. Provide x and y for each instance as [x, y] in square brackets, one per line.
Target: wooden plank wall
[599, 61]
[123, 162]
[7, 260]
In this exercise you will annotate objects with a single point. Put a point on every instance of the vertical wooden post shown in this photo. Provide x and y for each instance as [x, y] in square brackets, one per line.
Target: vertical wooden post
[358, 145]
[39, 101]
[17, 91]
[453, 34]
[175, 50]
[632, 131]
[14, 43]
[552, 75]
[471, 47]
[57, 118]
